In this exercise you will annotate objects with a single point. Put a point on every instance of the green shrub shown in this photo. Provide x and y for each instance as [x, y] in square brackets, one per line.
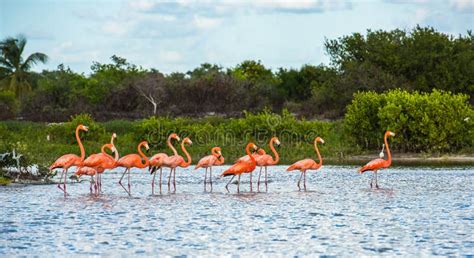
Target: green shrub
[424, 122]
[8, 105]
[65, 132]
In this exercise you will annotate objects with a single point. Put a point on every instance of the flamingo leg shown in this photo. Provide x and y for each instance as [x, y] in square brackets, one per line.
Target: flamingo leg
[226, 186]
[174, 180]
[258, 182]
[169, 178]
[210, 177]
[60, 180]
[304, 182]
[250, 181]
[205, 178]
[371, 181]
[120, 181]
[129, 185]
[161, 172]
[64, 185]
[153, 184]
[299, 180]
[376, 181]
[266, 184]
[238, 184]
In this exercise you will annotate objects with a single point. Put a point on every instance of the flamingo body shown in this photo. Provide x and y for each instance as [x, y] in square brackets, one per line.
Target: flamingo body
[303, 165]
[66, 161]
[375, 164]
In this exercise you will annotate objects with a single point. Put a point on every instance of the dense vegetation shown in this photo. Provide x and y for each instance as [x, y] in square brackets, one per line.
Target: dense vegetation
[421, 60]
[424, 122]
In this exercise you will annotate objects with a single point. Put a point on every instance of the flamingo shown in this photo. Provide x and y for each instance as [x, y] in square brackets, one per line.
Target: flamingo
[68, 160]
[241, 167]
[99, 162]
[178, 160]
[377, 164]
[133, 161]
[88, 171]
[158, 161]
[307, 164]
[246, 158]
[206, 162]
[267, 160]
[108, 164]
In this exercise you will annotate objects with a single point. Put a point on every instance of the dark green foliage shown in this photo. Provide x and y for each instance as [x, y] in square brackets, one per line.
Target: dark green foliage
[424, 122]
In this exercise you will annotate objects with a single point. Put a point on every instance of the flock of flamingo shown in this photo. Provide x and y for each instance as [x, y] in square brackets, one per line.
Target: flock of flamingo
[96, 164]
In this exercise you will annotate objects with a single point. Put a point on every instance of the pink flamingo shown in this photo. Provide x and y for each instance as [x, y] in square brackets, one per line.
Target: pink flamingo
[87, 171]
[267, 160]
[129, 161]
[158, 161]
[241, 167]
[68, 160]
[377, 164]
[178, 160]
[99, 162]
[246, 158]
[214, 159]
[308, 164]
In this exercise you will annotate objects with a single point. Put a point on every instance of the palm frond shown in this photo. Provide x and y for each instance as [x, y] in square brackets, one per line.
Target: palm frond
[34, 59]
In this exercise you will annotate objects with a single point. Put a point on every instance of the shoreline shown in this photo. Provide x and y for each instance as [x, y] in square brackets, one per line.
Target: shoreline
[407, 159]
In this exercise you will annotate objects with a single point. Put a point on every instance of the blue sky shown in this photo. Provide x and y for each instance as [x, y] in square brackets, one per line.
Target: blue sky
[180, 35]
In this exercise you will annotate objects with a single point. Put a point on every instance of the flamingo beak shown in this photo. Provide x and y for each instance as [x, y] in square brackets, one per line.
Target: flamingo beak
[178, 139]
[147, 147]
[190, 142]
[392, 134]
[322, 141]
[86, 128]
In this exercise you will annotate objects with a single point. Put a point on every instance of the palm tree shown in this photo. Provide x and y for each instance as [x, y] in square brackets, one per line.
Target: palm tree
[14, 70]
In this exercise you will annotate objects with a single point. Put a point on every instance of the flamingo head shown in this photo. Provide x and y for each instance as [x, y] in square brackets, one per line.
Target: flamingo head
[187, 140]
[174, 136]
[277, 141]
[216, 151]
[252, 146]
[319, 139]
[261, 152]
[390, 133]
[114, 136]
[145, 143]
[83, 127]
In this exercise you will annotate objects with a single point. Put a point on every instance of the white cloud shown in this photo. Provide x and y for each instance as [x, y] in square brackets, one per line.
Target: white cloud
[463, 5]
[168, 56]
[115, 28]
[206, 22]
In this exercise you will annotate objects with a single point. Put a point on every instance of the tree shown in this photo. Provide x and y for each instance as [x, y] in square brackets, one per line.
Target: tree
[152, 88]
[14, 70]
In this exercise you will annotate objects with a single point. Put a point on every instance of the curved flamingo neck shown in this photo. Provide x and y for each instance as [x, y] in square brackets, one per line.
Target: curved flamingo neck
[220, 160]
[247, 150]
[389, 160]
[81, 147]
[175, 152]
[116, 154]
[109, 146]
[275, 153]
[188, 157]
[147, 161]
[319, 155]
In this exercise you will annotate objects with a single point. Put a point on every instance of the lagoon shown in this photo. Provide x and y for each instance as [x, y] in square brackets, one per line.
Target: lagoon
[418, 211]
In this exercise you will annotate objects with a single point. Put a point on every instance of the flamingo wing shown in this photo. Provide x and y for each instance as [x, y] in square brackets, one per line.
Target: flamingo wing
[156, 159]
[373, 165]
[206, 161]
[264, 160]
[237, 168]
[65, 161]
[301, 165]
[93, 160]
[129, 161]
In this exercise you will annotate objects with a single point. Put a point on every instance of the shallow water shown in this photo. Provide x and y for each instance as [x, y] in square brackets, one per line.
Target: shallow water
[418, 211]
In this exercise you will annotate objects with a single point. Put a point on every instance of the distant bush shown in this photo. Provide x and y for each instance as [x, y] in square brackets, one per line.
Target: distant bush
[65, 132]
[424, 122]
[8, 105]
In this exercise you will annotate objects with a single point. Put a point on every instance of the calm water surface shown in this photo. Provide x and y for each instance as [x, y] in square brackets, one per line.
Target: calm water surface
[418, 211]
